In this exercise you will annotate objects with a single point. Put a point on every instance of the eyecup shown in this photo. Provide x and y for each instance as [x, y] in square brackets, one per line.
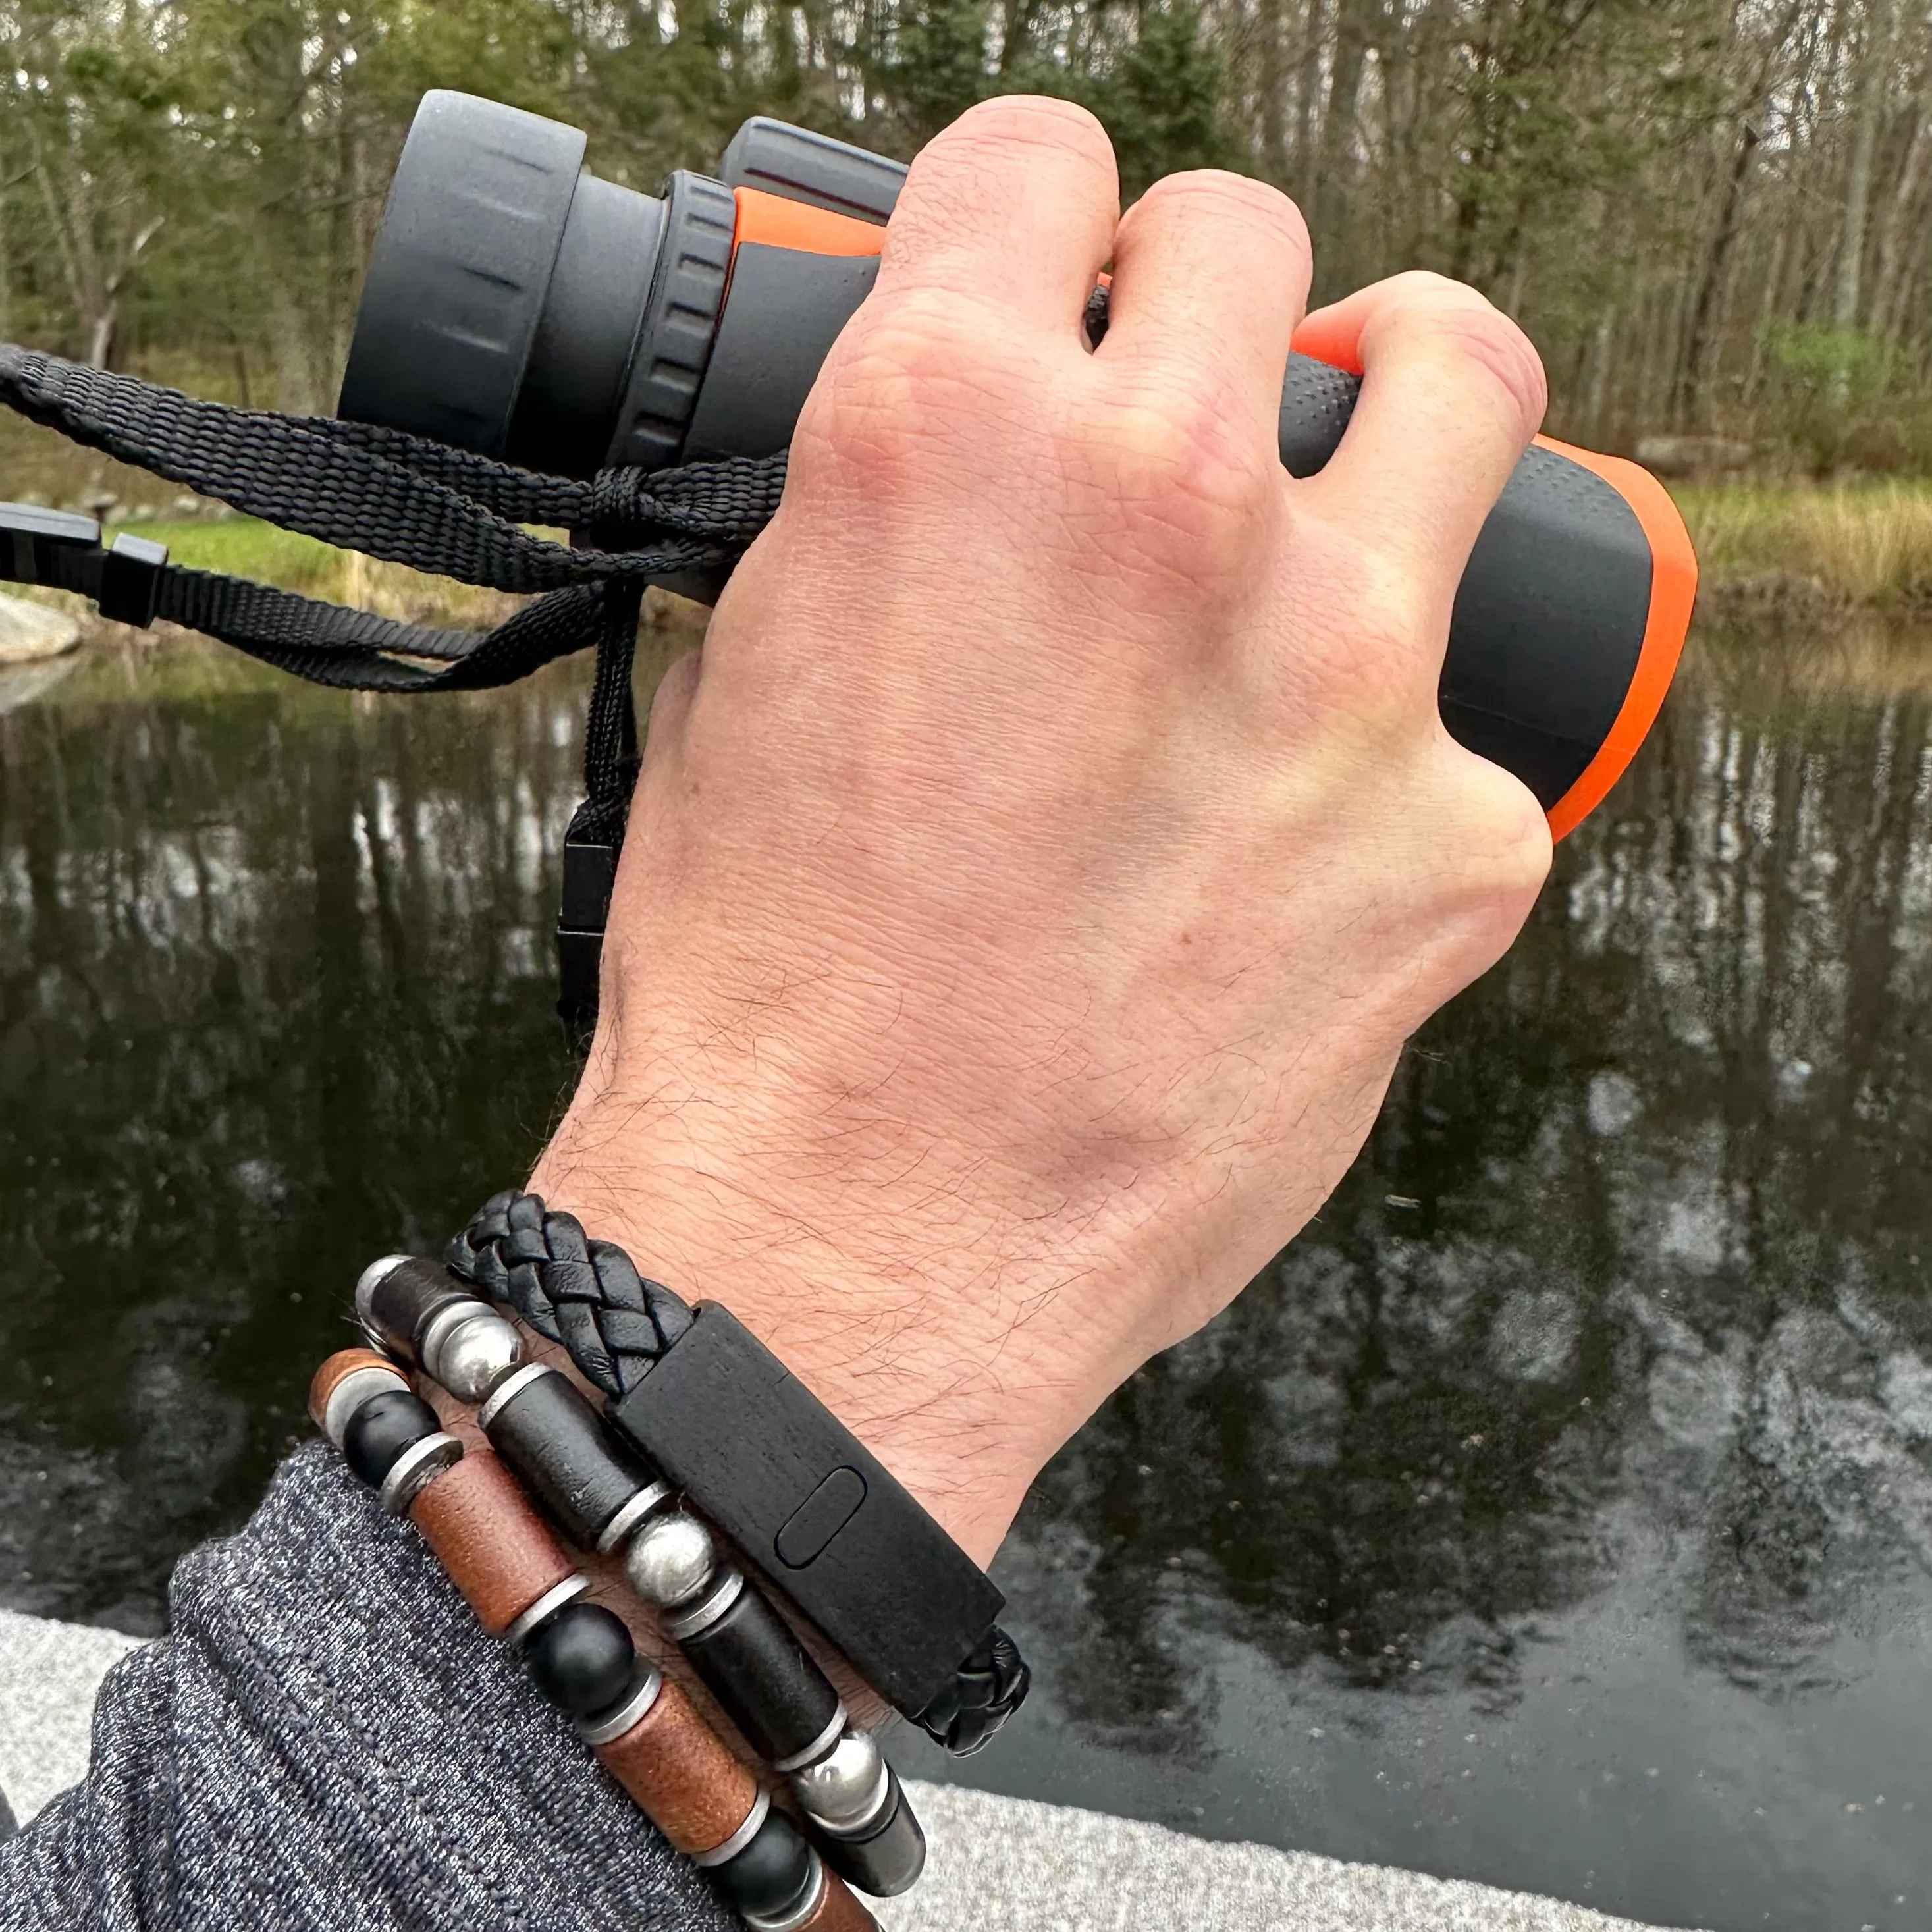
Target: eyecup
[459, 271]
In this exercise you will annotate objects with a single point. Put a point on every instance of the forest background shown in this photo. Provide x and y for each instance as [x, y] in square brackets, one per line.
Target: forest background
[1714, 217]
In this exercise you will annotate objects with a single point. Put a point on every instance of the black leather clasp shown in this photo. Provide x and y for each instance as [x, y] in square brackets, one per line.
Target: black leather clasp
[811, 1509]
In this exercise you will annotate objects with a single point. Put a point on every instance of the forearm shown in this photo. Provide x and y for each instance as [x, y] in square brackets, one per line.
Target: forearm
[325, 1737]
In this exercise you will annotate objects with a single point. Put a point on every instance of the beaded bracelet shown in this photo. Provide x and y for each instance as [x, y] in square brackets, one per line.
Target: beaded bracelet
[598, 1492]
[525, 1590]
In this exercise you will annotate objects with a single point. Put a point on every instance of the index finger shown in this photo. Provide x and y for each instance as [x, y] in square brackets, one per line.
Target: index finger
[1016, 203]
[1452, 391]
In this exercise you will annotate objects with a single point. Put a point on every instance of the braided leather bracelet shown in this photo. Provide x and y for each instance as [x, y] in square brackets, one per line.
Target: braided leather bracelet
[619, 1328]
[525, 1589]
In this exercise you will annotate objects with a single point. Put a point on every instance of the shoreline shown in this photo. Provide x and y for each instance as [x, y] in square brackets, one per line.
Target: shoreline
[1811, 551]
[1781, 552]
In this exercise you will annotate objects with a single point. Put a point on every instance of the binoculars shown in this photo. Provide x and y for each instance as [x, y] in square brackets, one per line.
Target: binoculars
[519, 307]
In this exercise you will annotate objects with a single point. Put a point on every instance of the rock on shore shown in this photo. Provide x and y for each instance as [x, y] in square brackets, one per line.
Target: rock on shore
[29, 632]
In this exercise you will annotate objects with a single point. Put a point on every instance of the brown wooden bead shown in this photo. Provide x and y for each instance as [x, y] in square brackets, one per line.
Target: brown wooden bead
[839, 1910]
[681, 1775]
[344, 1363]
[498, 1551]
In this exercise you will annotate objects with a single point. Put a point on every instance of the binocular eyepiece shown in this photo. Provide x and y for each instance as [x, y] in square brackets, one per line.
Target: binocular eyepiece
[519, 307]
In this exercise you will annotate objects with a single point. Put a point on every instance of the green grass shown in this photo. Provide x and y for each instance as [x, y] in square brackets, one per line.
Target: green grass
[1870, 540]
[241, 547]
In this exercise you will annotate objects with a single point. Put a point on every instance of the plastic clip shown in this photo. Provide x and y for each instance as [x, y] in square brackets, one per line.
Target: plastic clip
[62, 550]
[589, 873]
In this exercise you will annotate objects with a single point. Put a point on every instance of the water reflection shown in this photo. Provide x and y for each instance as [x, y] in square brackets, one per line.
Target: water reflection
[1557, 1510]
[274, 989]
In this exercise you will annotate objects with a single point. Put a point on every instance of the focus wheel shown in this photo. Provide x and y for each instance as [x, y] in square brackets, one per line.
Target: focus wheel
[679, 325]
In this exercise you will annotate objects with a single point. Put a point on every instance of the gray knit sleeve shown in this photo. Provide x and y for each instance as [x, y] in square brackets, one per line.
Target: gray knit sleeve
[326, 1740]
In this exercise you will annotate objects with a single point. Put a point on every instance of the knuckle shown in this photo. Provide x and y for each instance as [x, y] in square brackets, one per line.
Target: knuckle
[1216, 191]
[894, 390]
[1191, 476]
[672, 698]
[1504, 835]
[973, 164]
[1372, 653]
[1473, 330]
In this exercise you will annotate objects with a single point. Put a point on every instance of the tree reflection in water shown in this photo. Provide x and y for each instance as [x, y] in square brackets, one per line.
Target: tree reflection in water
[274, 998]
[1625, 1299]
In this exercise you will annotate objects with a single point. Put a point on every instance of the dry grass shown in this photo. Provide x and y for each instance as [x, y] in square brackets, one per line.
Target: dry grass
[1871, 542]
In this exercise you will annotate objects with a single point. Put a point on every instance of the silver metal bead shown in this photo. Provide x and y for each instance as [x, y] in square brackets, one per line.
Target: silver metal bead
[454, 1312]
[547, 1607]
[416, 1468]
[652, 1496]
[819, 1747]
[670, 1559]
[709, 1608]
[471, 1357]
[848, 1788]
[366, 1284]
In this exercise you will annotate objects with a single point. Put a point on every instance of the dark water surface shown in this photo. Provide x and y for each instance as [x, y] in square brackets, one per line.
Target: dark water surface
[1556, 1512]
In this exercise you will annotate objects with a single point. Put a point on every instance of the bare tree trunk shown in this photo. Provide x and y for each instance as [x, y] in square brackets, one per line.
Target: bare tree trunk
[1600, 340]
[1271, 26]
[1903, 216]
[1356, 21]
[1693, 371]
[1767, 313]
[1875, 58]
[1316, 20]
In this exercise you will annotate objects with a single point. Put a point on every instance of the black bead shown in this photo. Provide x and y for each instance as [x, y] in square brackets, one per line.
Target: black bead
[888, 1859]
[771, 1874]
[402, 1303]
[581, 1658]
[751, 1661]
[551, 1436]
[382, 1429]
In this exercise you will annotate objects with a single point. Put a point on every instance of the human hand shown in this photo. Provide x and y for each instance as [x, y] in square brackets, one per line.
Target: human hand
[1030, 887]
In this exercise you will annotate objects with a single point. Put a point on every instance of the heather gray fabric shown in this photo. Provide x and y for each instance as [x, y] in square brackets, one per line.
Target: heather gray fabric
[329, 1742]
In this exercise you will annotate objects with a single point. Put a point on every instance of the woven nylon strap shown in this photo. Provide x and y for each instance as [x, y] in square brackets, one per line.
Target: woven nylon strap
[407, 500]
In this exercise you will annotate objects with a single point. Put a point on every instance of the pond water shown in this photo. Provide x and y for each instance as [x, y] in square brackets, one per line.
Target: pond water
[1556, 1512]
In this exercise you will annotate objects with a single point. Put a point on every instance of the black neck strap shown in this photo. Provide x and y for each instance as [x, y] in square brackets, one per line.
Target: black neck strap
[408, 500]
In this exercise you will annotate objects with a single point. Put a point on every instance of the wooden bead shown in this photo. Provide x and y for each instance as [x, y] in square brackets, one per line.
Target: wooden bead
[838, 1910]
[681, 1776]
[498, 1551]
[339, 1366]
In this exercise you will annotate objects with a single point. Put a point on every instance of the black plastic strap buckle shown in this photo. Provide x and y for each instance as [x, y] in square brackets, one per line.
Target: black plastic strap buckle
[62, 550]
[810, 1507]
[589, 876]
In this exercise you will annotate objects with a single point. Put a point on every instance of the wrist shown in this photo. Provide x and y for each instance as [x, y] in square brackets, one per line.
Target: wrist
[938, 1343]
